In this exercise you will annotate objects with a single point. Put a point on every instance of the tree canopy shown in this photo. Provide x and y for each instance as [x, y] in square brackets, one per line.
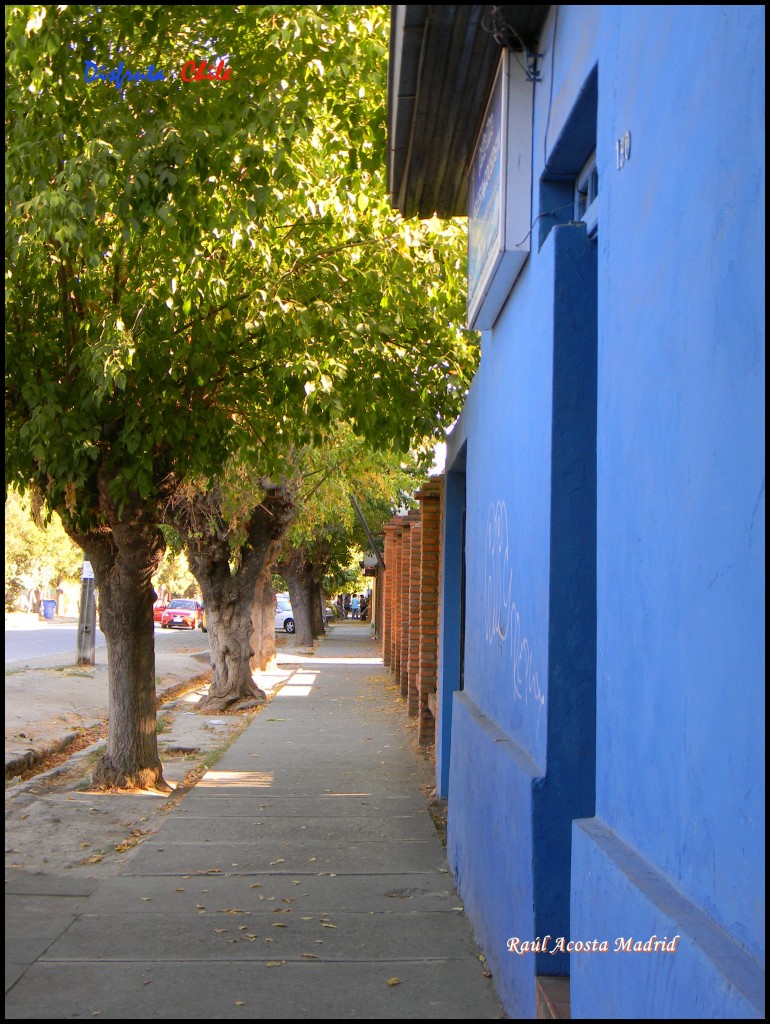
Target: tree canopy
[201, 262]
[196, 268]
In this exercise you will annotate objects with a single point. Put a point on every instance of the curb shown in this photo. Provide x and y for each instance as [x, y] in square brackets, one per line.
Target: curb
[22, 787]
[33, 756]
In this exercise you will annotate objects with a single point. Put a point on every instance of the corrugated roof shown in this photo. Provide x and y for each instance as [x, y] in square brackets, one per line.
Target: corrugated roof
[443, 58]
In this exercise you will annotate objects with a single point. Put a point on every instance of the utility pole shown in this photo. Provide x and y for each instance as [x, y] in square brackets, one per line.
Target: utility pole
[86, 649]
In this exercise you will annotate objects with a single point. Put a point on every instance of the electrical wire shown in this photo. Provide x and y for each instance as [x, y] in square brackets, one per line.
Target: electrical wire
[546, 213]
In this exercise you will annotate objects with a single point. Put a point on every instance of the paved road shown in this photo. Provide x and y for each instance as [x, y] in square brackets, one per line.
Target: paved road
[40, 641]
[31, 639]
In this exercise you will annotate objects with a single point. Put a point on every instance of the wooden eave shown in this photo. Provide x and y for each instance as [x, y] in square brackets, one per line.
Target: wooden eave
[443, 60]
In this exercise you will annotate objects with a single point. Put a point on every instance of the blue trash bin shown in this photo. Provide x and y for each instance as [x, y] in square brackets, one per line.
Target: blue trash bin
[49, 609]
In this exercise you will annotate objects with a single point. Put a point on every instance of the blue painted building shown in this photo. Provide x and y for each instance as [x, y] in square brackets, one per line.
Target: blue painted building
[600, 736]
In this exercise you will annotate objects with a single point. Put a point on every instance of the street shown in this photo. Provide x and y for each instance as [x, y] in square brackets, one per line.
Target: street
[25, 640]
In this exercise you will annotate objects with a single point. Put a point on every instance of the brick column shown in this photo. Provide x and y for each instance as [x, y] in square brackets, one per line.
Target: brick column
[386, 631]
[430, 498]
[406, 579]
[376, 613]
[395, 602]
[415, 591]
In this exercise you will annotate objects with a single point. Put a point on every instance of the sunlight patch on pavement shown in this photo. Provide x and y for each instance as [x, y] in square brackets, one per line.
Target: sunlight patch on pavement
[300, 685]
[310, 660]
[346, 794]
[257, 780]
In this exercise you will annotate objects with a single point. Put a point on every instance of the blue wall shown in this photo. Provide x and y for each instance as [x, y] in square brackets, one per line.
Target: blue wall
[528, 700]
[665, 697]
[681, 479]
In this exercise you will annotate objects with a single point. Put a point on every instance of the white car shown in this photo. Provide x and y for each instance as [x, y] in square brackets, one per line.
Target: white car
[284, 616]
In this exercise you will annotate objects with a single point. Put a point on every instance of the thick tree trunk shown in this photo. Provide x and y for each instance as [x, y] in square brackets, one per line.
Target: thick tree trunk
[317, 608]
[263, 622]
[298, 575]
[125, 557]
[229, 592]
[228, 620]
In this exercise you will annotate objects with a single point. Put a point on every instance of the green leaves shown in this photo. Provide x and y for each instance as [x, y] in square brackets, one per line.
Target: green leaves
[198, 269]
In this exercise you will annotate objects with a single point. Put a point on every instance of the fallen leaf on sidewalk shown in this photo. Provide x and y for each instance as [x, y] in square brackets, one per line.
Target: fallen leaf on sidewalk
[310, 956]
[393, 981]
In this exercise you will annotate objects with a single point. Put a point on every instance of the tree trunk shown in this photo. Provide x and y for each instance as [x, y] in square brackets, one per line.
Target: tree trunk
[229, 592]
[298, 575]
[317, 607]
[125, 557]
[228, 620]
[263, 621]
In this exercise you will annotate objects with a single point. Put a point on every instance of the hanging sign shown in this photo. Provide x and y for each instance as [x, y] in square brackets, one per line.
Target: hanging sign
[499, 195]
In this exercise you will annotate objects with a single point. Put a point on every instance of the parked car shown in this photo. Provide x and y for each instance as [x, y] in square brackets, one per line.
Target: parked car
[157, 610]
[181, 613]
[284, 616]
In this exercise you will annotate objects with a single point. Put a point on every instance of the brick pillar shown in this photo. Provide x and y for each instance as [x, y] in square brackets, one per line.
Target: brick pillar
[406, 580]
[395, 603]
[415, 591]
[375, 616]
[386, 609]
[430, 497]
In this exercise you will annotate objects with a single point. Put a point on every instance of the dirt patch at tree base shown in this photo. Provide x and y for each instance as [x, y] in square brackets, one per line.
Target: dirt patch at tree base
[59, 823]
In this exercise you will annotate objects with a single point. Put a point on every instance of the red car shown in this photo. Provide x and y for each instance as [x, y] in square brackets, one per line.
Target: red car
[157, 610]
[181, 613]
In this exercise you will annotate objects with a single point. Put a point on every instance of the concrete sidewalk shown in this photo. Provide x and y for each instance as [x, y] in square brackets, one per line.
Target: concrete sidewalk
[302, 878]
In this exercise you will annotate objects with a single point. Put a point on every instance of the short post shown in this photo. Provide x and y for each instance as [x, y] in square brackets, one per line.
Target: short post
[86, 650]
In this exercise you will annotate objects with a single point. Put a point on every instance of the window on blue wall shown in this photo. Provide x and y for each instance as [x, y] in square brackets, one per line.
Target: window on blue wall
[569, 184]
[586, 193]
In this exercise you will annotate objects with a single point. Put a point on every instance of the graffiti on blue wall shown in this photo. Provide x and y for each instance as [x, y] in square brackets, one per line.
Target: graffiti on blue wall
[501, 616]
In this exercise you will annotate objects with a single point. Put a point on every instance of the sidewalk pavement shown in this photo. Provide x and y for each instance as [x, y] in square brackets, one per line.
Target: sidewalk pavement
[301, 878]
